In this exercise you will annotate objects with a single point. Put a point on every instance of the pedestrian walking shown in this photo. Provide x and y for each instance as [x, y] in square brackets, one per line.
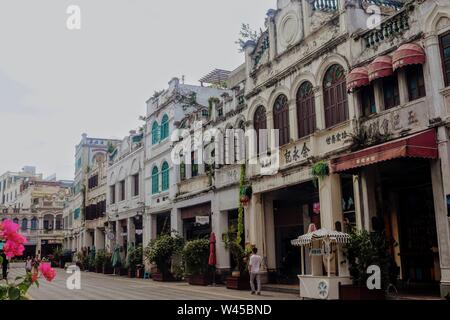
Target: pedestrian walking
[5, 263]
[28, 264]
[254, 267]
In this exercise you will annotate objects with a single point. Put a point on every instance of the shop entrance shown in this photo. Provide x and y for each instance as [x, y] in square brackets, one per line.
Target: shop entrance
[294, 209]
[408, 217]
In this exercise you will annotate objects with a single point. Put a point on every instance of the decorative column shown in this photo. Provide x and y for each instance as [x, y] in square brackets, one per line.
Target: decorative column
[440, 176]
[434, 78]
[293, 123]
[330, 194]
[319, 103]
[131, 231]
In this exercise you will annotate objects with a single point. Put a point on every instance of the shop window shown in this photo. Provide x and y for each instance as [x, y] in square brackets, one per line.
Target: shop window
[416, 82]
[259, 123]
[165, 176]
[155, 180]
[445, 52]
[367, 98]
[281, 118]
[135, 179]
[348, 203]
[335, 96]
[165, 127]
[306, 110]
[391, 92]
[155, 133]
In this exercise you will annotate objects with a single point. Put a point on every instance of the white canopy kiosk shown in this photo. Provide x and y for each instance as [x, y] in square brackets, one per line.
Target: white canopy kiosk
[324, 248]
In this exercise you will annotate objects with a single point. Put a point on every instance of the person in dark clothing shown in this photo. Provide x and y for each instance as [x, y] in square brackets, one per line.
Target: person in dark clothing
[4, 265]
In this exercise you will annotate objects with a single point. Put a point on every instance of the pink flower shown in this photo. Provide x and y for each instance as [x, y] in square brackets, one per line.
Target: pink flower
[13, 249]
[47, 271]
[8, 229]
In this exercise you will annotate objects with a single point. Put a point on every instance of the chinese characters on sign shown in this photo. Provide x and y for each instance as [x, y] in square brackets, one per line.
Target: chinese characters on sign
[337, 138]
[296, 154]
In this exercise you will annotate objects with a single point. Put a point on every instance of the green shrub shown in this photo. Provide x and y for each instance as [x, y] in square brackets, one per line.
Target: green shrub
[195, 256]
[160, 251]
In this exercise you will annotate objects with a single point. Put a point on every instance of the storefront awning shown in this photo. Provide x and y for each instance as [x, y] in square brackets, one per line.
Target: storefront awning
[421, 145]
[408, 54]
[381, 67]
[358, 77]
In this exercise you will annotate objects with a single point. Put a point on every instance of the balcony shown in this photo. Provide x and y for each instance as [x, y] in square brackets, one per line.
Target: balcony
[194, 185]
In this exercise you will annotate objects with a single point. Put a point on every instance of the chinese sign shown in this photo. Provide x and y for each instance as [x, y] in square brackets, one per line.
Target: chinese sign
[297, 154]
[337, 138]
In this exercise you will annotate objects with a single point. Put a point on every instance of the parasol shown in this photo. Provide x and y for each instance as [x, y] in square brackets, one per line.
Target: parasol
[116, 256]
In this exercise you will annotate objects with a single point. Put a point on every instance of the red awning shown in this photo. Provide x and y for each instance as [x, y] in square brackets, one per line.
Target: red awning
[421, 145]
[408, 54]
[381, 67]
[358, 77]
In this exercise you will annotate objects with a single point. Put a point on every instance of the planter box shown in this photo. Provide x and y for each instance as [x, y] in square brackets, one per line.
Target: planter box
[238, 283]
[199, 280]
[140, 273]
[108, 270]
[158, 276]
[350, 292]
[131, 273]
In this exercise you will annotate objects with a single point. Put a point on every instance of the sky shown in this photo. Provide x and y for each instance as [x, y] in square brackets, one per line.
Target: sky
[56, 83]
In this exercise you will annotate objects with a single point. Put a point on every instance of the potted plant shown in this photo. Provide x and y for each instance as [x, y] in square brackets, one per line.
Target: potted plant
[195, 256]
[365, 249]
[107, 264]
[160, 252]
[134, 258]
[100, 260]
[239, 279]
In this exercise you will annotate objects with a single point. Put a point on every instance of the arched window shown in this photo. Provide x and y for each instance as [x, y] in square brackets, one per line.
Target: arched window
[281, 118]
[259, 123]
[24, 224]
[16, 221]
[306, 110]
[34, 223]
[335, 96]
[155, 180]
[155, 133]
[165, 176]
[165, 127]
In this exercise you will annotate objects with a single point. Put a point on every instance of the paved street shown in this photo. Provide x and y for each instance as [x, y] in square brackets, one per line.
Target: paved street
[107, 287]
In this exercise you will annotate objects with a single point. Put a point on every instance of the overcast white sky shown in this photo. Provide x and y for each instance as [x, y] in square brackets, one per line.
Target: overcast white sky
[56, 84]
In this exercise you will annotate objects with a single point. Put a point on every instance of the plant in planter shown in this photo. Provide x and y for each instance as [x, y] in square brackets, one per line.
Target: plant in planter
[195, 255]
[366, 249]
[100, 260]
[160, 252]
[239, 279]
[319, 171]
[107, 264]
[134, 258]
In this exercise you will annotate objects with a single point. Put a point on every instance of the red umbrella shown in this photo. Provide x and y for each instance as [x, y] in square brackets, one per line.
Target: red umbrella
[212, 261]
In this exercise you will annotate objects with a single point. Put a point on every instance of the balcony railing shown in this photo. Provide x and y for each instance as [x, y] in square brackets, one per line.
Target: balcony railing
[390, 28]
[325, 5]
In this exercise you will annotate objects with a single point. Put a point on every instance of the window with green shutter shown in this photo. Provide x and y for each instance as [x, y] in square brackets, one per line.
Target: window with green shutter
[165, 176]
[155, 133]
[165, 127]
[155, 181]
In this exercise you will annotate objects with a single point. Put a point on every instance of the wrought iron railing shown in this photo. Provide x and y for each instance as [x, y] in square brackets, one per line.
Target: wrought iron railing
[396, 5]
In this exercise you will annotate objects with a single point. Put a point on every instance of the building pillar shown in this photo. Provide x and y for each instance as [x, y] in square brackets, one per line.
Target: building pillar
[330, 194]
[131, 231]
[440, 175]
[432, 71]
[269, 231]
[293, 123]
[147, 232]
[176, 222]
[219, 225]
[54, 223]
[119, 237]
[368, 197]
[99, 239]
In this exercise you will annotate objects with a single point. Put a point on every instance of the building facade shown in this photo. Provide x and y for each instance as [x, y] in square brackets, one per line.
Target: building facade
[125, 196]
[36, 205]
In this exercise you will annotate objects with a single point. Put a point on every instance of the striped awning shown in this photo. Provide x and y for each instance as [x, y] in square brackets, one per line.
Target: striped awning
[321, 234]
